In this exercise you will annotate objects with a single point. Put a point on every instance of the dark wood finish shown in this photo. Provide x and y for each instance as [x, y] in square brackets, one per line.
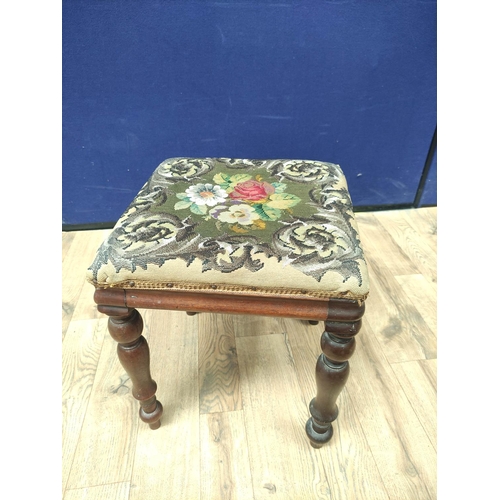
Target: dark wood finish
[261, 305]
[332, 370]
[342, 322]
[125, 326]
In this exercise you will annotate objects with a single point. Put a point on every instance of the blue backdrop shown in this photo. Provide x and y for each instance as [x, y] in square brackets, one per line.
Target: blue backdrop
[349, 82]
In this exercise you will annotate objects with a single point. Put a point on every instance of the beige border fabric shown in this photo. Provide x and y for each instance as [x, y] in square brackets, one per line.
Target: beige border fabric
[282, 227]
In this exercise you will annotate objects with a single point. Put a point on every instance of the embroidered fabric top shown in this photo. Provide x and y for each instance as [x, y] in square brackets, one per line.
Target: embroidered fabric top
[275, 226]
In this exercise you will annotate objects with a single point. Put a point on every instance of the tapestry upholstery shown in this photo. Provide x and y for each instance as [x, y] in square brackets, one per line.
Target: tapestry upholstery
[240, 226]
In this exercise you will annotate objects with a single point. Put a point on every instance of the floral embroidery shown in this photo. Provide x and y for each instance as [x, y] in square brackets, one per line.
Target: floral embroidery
[252, 191]
[241, 214]
[252, 202]
[205, 210]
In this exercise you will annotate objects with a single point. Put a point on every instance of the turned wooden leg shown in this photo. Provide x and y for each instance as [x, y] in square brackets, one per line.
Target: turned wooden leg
[332, 371]
[125, 326]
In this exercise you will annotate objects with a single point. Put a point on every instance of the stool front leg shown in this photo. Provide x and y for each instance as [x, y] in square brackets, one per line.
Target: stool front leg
[332, 371]
[125, 326]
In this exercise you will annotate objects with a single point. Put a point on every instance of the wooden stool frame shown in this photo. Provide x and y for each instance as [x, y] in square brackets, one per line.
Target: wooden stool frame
[342, 319]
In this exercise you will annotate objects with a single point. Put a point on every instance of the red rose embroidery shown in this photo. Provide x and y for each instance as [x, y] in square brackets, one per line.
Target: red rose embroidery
[251, 191]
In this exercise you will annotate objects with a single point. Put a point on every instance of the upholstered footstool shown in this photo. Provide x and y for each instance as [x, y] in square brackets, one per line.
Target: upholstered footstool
[264, 237]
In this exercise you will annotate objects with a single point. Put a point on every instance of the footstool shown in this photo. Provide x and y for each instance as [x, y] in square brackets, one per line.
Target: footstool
[263, 237]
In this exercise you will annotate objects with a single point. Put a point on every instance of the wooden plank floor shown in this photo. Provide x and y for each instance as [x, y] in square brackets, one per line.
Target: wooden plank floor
[235, 391]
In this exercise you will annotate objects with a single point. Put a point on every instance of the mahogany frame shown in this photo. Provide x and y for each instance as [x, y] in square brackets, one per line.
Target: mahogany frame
[342, 319]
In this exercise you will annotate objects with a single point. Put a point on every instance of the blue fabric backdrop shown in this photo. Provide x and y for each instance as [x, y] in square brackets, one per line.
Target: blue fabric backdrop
[349, 82]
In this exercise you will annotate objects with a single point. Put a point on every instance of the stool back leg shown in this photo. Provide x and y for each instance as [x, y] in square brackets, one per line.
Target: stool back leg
[332, 370]
[125, 326]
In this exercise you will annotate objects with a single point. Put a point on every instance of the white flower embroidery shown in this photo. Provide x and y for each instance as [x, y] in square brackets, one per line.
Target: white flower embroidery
[206, 194]
[241, 214]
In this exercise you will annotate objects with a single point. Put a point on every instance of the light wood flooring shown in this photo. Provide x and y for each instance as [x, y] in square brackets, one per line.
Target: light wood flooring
[235, 391]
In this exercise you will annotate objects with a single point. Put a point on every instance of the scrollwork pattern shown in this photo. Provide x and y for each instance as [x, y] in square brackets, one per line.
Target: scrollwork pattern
[315, 244]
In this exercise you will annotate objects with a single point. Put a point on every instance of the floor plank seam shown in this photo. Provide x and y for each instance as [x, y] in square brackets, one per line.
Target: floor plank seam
[248, 448]
[99, 485]
[414, 411]
[403, 361]
[353, 406]
[84, 418]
